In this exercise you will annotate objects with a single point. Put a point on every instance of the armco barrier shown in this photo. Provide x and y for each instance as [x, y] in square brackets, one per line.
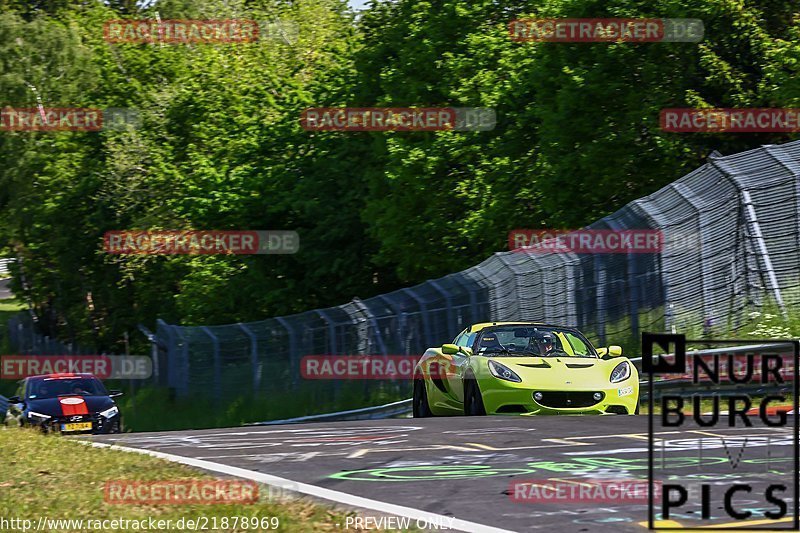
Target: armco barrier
[389, 410]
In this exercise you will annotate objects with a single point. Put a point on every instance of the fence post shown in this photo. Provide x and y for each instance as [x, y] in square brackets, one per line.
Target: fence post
[181, 364]
[153, 351]
[691, 198]
[600, 295]
[295, 364]
[451, 323]
[255, 366]
[364, 310]
[470, 286]
[423, 314]
[399, 322]
[172, 353]
[633, 283]
[332, 345]
[217, 363]
[513, 315]
[763, 253]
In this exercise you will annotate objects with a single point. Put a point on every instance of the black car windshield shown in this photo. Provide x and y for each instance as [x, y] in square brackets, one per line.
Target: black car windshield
[538, 341]
[54, 387]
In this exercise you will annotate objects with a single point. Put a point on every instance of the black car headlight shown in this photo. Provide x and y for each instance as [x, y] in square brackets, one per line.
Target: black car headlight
[110, 413]
[621, 372]
[33, 416]
[503, 372]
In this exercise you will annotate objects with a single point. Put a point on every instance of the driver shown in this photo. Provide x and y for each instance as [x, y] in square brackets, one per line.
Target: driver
[546, 343]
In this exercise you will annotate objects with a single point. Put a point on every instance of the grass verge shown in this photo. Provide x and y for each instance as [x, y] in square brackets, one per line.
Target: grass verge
[57, 478]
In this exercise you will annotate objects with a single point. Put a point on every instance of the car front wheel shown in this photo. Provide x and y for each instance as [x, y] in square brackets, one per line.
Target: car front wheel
[473, 401]
[420, 406]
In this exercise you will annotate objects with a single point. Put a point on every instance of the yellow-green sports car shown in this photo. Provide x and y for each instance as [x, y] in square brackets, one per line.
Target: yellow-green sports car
[524, 368]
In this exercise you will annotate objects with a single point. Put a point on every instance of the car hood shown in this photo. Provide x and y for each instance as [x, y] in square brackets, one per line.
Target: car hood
[562, 372]
[70, 405]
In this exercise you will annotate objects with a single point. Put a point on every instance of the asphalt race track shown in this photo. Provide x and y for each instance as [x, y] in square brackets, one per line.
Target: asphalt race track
[464, 467]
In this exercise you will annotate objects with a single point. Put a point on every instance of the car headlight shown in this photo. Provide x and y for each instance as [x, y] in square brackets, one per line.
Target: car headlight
[621, 372]
[503, 372]
[108, 413]
[38, 417]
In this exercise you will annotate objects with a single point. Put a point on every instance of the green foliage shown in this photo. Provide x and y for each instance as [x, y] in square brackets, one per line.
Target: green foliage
[220, 145]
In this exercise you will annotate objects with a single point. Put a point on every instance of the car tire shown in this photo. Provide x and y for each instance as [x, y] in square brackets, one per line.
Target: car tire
[420, 406]
[636, 410]
[473, 401]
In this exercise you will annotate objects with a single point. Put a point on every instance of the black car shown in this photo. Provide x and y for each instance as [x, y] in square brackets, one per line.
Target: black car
[66, 403]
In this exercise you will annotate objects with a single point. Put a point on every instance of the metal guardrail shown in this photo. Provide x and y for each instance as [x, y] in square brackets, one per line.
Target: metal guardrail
[367, 413]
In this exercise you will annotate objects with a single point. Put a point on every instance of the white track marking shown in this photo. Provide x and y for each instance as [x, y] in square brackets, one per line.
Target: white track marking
[312, 490]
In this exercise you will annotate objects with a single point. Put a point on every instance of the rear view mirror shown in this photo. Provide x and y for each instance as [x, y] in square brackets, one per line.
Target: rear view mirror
[602, 352]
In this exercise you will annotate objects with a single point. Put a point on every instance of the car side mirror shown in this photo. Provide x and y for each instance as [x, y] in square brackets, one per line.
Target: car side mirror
[466, 351]
[611, 351]
[114, 393]
[449, 349]
[15, 399]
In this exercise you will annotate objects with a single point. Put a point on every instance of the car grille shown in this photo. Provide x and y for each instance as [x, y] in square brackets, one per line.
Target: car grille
[568, 399]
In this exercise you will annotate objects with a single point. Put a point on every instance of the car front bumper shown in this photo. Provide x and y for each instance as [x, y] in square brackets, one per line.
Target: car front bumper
[100, 424]
[505, 398]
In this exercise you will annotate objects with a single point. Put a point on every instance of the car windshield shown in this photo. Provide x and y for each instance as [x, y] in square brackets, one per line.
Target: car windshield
[54, 387]
[536, 341]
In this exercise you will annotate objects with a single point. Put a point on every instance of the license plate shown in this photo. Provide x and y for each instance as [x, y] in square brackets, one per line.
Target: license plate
[78, 426]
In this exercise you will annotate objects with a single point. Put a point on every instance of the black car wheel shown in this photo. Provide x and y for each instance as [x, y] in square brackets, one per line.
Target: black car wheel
[473, 401]
[420, 406]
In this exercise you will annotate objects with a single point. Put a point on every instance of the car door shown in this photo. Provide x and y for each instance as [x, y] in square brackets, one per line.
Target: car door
[458, 366]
